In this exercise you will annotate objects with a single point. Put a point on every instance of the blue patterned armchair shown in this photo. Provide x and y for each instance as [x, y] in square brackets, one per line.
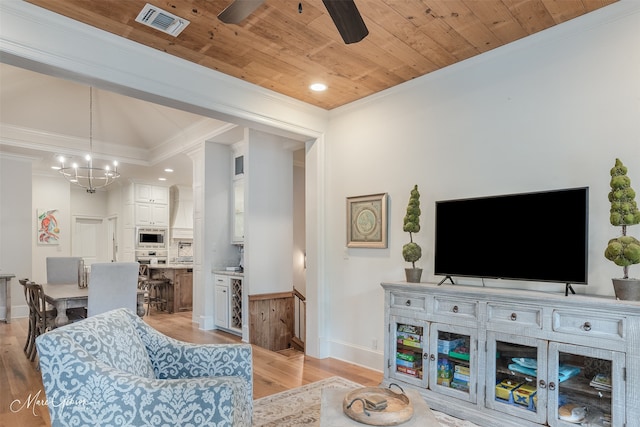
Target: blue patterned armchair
[113, 369]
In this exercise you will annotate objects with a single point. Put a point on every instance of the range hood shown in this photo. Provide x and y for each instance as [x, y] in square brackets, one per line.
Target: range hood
[181, 212]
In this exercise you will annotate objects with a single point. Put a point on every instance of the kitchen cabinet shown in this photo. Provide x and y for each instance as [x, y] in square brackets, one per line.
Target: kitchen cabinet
[146, 193]
[180, 297]
[182, 290]
[222, 305]
[152, 214]
[146, 205]
[513, 357]
[239, 168]
[228, 295]
[237, 217]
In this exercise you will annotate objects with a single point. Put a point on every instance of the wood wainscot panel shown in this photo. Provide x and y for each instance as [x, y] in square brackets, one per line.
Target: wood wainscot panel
[271, 320]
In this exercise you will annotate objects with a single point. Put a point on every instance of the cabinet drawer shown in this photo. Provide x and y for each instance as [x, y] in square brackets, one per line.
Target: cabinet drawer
[408, 301]
[456, 307]
[221, 280]
[588, 324]
[514, 315]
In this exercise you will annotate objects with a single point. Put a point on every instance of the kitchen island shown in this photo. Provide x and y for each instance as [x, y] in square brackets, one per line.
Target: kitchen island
[180, 275]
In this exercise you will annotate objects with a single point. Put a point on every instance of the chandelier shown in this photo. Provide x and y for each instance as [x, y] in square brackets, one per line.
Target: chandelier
[89, 177]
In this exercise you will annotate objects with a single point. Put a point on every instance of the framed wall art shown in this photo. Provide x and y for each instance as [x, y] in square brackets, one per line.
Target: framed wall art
[48, 229]
[367, 221]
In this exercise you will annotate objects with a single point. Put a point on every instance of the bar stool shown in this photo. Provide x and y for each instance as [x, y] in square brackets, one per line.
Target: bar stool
[158, 288]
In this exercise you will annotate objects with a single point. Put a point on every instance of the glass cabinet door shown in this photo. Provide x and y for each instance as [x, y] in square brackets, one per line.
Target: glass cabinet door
[517, 376]
[454, 361]
[586, 386]
[409, 342]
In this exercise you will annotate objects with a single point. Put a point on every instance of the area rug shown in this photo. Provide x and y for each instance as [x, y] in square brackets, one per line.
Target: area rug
[301, 406]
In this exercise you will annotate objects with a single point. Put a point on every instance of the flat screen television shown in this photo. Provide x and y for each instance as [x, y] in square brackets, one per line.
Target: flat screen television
[538, 236]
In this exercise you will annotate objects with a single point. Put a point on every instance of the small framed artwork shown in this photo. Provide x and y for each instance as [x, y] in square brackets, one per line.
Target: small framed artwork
[367, 221]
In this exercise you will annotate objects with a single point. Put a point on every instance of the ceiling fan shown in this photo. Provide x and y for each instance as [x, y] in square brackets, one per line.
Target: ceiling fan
[344, 13]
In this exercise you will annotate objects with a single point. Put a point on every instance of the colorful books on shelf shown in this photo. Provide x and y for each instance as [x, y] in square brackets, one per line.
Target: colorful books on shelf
[407, 355]
[601, 382]
[409, 335]
[414, 372]
[409, 364]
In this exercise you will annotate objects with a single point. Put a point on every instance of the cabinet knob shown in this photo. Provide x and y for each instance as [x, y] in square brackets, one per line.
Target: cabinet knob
[552, 386]
[514, 316]
[425, 356]
[432, 357]
[455, 309]
[408, 303]
[586, 326]
[542, 384]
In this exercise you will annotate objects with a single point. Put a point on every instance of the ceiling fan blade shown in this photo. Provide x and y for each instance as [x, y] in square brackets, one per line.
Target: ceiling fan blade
[237, 11]
[347, 19]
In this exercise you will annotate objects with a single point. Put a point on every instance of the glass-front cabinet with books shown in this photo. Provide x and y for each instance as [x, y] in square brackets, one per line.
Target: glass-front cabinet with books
[454, 357]
[586, 386]
[518, 369]
[434, 356]
[409, 341]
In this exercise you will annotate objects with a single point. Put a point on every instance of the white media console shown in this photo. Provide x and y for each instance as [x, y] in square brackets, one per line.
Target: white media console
[515, 358]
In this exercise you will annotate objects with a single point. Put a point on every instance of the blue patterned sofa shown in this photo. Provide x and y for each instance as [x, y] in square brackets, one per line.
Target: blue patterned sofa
[114, 370]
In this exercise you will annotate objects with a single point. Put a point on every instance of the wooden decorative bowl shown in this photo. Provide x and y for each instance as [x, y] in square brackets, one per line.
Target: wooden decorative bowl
[378, 406]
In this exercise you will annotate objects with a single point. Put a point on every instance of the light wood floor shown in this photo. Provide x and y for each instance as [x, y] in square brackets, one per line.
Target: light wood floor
[272, 372]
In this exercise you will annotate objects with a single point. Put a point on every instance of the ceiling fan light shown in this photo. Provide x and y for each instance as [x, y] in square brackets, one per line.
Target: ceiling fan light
[318, 87]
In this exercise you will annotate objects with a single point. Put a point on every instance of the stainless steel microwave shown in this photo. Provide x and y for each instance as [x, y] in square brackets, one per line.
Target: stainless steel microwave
[151, 238]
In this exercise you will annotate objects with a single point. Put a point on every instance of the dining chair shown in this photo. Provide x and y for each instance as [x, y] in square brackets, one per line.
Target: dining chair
[30, 341]
[41, 319]
[64, 269]
[112, 285]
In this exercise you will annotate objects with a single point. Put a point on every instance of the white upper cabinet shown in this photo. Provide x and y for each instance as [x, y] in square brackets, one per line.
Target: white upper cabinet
[146, 193]
[152, 214]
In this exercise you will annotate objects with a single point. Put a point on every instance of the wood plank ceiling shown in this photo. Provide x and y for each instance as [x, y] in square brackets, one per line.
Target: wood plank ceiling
[281, 49]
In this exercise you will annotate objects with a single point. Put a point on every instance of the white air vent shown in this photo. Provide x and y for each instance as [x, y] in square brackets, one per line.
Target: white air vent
[166, 22]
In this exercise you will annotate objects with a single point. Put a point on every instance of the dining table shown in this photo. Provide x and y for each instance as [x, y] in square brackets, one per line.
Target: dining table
[69, 295]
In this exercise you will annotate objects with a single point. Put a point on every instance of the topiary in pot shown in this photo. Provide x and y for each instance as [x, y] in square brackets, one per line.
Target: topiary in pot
[624, 250]
[411, 252]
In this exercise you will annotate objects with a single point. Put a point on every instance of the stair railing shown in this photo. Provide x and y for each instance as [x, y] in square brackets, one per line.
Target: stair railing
[300, 314]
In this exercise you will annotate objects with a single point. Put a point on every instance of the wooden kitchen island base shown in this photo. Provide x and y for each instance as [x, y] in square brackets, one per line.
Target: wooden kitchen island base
[180, 295]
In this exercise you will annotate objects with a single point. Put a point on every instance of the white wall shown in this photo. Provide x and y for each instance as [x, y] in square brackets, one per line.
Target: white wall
[16, 218]
[552, 111]
[50, 192]
[268, 214]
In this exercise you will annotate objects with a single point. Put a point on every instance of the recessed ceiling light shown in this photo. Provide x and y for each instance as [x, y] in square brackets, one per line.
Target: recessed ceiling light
[318, 87]
[162, 179]
[168, 170]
